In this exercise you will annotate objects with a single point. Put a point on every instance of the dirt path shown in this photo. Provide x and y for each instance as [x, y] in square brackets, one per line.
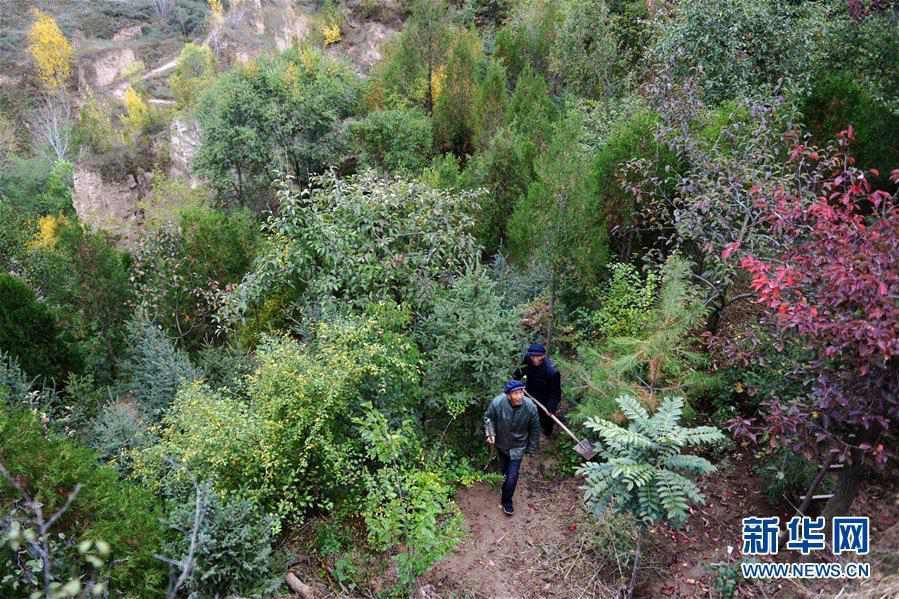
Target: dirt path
[523, 556]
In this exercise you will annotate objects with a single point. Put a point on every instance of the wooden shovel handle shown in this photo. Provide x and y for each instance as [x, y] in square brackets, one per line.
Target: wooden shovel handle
[551, 415]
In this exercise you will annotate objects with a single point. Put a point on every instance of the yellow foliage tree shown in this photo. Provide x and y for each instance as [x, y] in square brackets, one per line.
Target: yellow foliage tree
[438, 81]
[137, 115]
[48, 232]
[331, 33]
[215, 6]
[51, 51]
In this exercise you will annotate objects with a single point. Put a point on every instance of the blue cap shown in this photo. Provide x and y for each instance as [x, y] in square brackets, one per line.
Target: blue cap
[512, 386]
[536, 349]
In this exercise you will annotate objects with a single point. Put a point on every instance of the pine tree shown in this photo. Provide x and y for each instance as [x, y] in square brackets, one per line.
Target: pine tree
[491, 104]
[656, 359]
[455, 117]
[644, 473]
[556, 223]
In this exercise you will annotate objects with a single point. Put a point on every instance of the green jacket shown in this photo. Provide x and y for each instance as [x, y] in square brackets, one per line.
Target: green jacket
[517, 430]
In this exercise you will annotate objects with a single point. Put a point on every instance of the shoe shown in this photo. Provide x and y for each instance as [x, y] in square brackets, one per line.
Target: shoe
[508, 510]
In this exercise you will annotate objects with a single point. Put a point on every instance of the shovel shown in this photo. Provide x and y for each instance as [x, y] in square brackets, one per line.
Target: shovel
[583, 448]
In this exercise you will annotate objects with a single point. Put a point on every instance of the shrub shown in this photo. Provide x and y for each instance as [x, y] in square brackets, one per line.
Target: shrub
[472, 343]
[865, 47]
[120, 513]
[643, 472]
[740, 47]
[455, 119]
[283, 115]
[362, 239]
[625, 304]
[659, 358]
[527, 38]
[14, 383]
[85, 277]
[631, 139]
[394, 140]
[118, 429]
[30, 332]
[408, 504]
[180, 270]
[233, 550]
[785, 476]
[36, 186]
[560, 221]
[225, 368]
[838, 100]
[153, 368]
[292, 447]
[585, 51]
[194, 72]
[94, 130]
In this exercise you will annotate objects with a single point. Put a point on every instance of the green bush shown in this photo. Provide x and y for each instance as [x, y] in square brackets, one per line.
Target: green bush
[527, 38]
[455, 120]
[194, 72]
[37, 187]
[14, 383]
[30, 332]
[408, 503]
[283, 115]
[15, 228]
[292, 447]
[234, 548]
[786, 475]
[585, 52]
[624, 305]
[119, 428]
[120, 513]
[865, 48]
[633, 138]
[394, 140]
[741, 47]
[360, 239]
[839, 100]
[153, 368]
[85, 278]
[643, 472]
[179, 270]
[659, 358]
[472, 343]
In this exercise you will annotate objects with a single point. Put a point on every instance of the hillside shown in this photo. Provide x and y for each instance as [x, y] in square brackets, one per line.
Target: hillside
[317, 299]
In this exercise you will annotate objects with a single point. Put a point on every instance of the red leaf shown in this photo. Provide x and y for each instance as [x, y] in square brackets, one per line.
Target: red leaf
[729, 249]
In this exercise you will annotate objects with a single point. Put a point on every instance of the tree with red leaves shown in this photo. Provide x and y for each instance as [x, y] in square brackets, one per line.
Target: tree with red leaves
[835, 284]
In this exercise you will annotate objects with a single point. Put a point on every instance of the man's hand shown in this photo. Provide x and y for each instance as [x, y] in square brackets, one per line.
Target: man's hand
[490, 440]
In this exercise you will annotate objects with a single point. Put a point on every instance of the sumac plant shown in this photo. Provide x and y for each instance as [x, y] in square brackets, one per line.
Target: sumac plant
[835, 284]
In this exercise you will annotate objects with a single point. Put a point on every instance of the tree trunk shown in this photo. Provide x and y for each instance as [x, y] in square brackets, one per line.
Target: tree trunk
[848, 484]
[633, 582]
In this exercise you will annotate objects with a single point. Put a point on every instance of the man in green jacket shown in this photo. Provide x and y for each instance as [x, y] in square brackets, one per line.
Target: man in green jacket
[513, 426]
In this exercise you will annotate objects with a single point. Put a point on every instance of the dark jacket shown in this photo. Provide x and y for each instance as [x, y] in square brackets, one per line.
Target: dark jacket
[517, 430]
[543, 382]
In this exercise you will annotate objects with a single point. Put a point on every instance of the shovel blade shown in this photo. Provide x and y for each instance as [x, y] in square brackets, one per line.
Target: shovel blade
[585, 449]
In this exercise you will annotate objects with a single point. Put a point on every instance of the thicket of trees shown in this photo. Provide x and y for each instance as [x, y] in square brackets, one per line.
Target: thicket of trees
[694, 204]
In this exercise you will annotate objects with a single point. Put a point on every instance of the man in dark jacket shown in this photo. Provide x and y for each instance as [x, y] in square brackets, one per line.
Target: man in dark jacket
[512, 425]
[542, 381]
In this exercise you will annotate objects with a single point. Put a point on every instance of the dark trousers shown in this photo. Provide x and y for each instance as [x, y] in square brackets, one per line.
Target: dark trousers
[509, 468]
[546, 423]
